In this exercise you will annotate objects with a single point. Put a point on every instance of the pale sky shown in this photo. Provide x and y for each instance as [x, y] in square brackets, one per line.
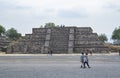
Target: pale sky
[103, 16]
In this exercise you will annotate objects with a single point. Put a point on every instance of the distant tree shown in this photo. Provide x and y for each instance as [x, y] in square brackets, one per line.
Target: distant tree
[116, 35]
[2, 30]
[13, 34]
[49, 25]
[103, 37]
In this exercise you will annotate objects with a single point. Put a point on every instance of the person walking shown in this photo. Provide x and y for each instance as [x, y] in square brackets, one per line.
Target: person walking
[48, 52]
[86, 61]
[119, 52]
[51, 52]
[82, 60]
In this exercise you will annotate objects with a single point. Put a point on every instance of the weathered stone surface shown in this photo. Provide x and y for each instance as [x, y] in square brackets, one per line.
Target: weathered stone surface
[4, 42]
[59, 40]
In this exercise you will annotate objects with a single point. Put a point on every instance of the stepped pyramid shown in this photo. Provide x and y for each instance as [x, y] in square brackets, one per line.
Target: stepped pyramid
[59, 40]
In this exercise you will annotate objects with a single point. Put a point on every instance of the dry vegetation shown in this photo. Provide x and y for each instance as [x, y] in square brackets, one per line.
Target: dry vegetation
[114, 48]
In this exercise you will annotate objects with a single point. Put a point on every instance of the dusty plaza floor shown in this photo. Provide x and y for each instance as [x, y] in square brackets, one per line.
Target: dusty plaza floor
[58, 66]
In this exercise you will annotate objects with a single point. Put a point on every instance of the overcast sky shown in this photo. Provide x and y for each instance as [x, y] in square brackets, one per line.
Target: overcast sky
[102, 15]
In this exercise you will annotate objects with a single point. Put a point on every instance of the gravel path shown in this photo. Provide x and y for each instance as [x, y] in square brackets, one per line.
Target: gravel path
[58, 66]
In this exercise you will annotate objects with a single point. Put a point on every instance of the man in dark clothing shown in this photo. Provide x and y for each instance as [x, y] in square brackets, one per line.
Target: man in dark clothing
[51, 52]
[119, 52]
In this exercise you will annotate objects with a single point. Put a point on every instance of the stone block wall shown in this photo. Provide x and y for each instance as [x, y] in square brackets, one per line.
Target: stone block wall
[86, 39]
[59, 39]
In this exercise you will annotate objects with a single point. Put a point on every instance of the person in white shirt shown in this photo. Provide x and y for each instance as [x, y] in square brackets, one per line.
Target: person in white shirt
[86, 61]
